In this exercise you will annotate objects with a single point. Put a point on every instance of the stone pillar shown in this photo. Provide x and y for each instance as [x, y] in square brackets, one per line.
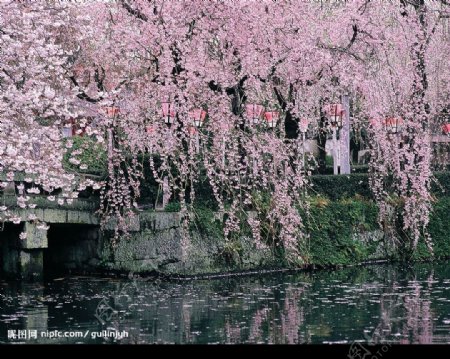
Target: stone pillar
[344, 139]
[166, 192]
[24, 258]
[335, 153]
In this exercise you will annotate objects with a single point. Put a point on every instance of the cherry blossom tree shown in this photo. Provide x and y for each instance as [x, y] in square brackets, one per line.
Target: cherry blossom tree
[137, 75]
[404, 83]
[36, 99]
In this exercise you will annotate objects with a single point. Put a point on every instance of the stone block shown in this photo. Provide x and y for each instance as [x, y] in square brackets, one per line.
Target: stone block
[39, 213]
[160, 221]
[55, 216]
[133, 222]
[24, 213]
[35, 237]
[81, 217]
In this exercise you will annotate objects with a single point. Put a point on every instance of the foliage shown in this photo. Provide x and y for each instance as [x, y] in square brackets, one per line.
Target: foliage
[439, 230]
[206, 222]
[331, 226]
[441, 186]
[357, 184]
[354, 169]
[172, 207]
[92, 157]
[149, 188]
[341, 186]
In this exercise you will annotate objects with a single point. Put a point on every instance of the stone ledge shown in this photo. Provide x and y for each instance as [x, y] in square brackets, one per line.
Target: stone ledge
[58, 216]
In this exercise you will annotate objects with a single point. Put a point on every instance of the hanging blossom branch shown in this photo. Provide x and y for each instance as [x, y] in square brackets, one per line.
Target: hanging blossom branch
[219, 57]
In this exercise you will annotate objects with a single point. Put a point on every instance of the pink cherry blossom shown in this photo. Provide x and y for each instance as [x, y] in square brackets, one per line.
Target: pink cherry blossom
[113, 70]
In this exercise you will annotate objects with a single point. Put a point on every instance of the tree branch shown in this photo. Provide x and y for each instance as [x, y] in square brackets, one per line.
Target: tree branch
[99, 80]
[82, 94]
[280, 98]
[346, 48]
[134, 12]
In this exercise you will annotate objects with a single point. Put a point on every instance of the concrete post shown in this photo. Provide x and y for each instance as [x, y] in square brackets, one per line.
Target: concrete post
[304, 150]
[110, 143]
[24, 258]
[344, 138]
[197, 142]
[166, 192]
[335, 152]
[35, 238]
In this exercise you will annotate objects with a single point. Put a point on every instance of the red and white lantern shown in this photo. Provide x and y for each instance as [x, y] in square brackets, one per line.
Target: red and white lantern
[168, 112]
[335, 112]
[393, 124]
[253, 113]
[272, 118]
[111, 111]
[446, 129]
[197, 116]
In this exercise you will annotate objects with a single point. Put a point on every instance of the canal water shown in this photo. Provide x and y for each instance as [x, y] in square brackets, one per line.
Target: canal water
[374, 304]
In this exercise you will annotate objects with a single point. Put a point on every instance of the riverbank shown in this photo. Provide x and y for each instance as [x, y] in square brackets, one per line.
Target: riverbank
[341, 227]
[342, 233]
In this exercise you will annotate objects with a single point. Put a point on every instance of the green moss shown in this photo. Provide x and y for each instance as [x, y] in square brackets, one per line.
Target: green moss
[331, 227]
[341, 232]
[231, 253]
[329, 160]
[441, 187]
[439, 229]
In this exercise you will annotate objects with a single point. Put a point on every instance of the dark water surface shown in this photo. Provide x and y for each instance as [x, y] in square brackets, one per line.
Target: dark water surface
[383, 303]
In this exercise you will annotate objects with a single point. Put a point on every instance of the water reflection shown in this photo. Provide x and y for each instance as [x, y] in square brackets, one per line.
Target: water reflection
[378, 304]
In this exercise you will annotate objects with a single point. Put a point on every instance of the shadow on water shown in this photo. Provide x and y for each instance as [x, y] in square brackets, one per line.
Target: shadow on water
[374, 304]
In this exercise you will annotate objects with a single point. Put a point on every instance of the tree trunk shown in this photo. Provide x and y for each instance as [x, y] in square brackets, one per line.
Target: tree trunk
[321, 143]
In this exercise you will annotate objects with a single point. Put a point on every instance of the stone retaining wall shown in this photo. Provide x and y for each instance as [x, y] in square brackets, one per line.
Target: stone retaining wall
[156, 244]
